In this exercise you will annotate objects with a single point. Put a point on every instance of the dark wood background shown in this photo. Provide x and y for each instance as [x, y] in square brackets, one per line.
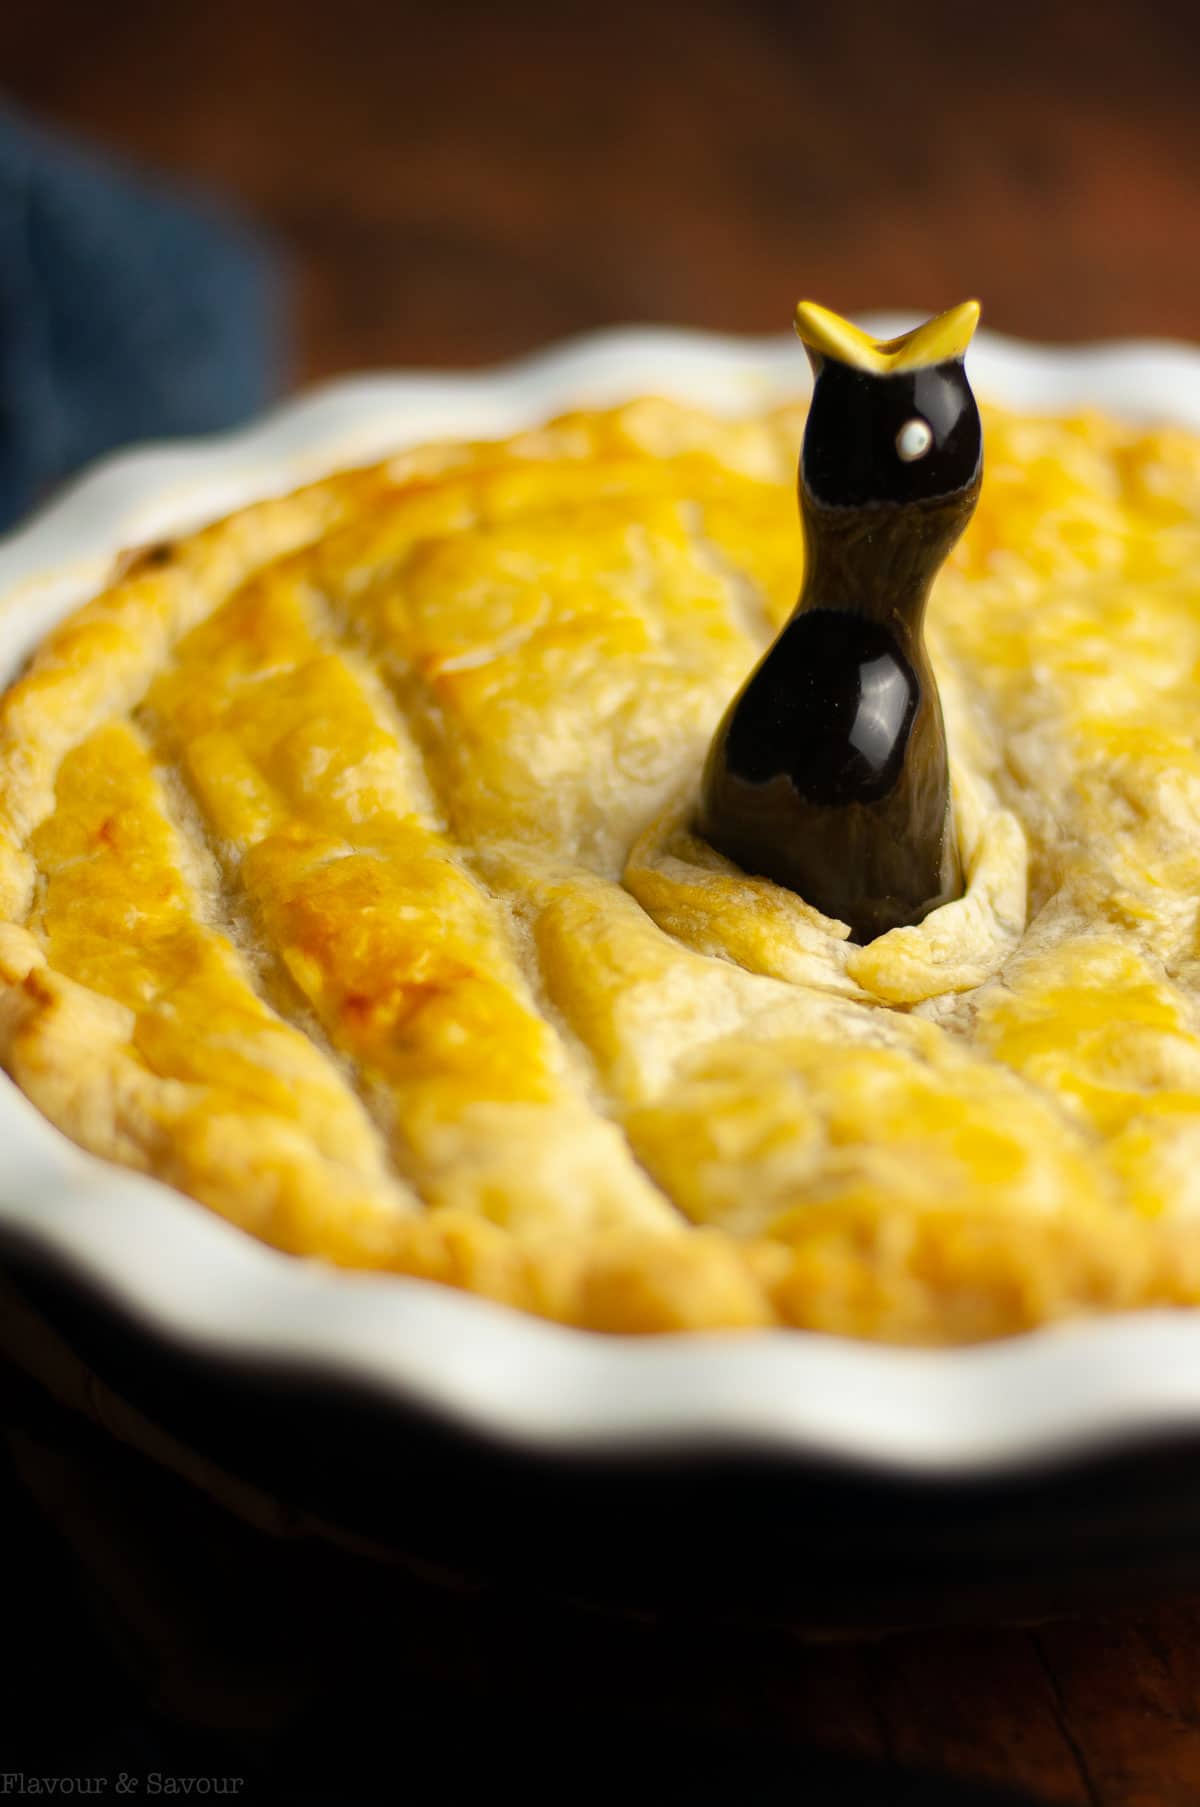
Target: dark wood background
[452, 183]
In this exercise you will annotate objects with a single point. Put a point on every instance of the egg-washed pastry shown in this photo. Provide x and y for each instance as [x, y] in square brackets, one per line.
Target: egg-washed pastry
[349, 883]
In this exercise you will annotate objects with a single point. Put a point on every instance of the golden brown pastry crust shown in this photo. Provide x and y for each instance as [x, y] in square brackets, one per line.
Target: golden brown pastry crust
[347, 883]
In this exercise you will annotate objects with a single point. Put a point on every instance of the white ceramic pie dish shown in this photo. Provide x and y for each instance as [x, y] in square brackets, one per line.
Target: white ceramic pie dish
[181, 1272]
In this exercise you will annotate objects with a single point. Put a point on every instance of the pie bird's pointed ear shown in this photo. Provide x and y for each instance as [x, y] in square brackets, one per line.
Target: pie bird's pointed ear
[944, 337]
[826, 335]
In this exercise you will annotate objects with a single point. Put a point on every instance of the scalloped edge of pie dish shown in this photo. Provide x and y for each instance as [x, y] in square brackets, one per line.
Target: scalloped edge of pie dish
[1044, 1397]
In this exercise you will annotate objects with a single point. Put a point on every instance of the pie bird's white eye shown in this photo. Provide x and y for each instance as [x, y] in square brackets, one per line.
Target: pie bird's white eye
[914, 439]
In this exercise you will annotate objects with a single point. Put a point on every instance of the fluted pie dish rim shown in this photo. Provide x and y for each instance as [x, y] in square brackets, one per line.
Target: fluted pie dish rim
[1043, 1395]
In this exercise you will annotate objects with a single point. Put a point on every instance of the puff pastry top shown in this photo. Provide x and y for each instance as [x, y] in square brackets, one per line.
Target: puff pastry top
[348, 883]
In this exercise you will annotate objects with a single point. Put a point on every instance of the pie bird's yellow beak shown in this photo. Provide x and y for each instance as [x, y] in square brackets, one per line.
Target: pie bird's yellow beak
[827, 335]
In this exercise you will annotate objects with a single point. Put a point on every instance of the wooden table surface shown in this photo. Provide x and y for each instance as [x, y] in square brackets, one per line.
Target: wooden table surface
[454, 183]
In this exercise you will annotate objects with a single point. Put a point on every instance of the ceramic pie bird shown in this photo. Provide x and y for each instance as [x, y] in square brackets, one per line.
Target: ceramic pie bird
[829, 771]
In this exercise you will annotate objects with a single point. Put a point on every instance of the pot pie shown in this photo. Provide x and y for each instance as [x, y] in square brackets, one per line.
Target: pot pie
[349, 883]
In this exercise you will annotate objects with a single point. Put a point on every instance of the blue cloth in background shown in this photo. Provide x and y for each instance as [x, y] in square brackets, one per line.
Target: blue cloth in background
[127, 312]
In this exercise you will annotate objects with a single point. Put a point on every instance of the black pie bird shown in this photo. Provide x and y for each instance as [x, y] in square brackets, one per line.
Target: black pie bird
[828, 773]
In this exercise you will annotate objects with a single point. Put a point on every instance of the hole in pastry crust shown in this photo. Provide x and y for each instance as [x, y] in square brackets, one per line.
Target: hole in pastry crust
[143, 558]
[708, 903]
